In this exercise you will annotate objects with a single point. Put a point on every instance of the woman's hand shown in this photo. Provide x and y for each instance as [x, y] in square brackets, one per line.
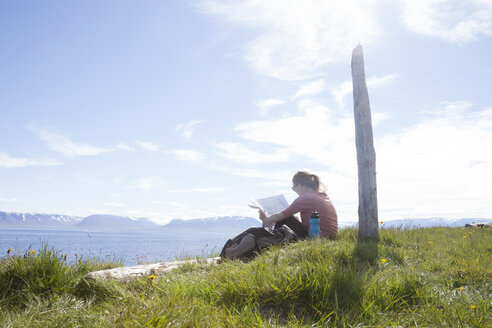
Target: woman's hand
[272, 218]
[263, 216]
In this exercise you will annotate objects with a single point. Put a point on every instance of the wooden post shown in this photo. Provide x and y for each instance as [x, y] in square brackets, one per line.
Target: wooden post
[366, 156]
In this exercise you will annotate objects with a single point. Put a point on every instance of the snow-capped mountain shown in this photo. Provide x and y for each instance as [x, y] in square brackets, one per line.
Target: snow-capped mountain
[421, 223]
[432, 222]
[113, 222]
[37, 220]
[219, 224]
[222, 223]
[101, 221]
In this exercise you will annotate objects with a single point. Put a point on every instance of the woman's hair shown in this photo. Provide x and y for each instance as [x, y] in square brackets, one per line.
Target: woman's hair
[309, 180]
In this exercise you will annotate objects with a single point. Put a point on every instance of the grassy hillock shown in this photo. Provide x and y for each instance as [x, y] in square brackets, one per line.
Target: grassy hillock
[423, 277]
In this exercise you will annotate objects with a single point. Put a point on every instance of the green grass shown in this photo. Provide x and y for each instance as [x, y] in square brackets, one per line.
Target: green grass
[437, 277]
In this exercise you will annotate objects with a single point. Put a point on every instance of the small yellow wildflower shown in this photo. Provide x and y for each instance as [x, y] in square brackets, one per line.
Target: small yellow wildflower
[151, 277]
[383, 261]
[469, 232]
[382, 222]
[33, 252]
[9, 250]
[473, 306]
[464, 237]
[430, 242]
[461, 288]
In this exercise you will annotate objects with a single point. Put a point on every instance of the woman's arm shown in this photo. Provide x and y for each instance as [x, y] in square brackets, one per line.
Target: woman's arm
[271, 219]
[293, 208]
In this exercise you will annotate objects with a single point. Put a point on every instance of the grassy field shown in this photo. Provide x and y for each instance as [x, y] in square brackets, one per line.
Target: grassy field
[435, 277]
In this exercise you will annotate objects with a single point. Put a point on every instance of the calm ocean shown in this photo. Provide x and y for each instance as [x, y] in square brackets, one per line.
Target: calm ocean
[130, 247]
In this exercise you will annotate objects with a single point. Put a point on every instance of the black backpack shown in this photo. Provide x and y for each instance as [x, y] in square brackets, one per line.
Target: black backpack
[249, 243]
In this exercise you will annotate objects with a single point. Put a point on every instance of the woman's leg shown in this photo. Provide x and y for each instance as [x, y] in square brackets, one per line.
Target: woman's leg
[296, 225]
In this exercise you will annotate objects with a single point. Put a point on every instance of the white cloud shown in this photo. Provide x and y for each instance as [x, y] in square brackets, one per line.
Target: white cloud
[454, 21]
[113, 204]
[145, 184]
[242, 172]
[187, 155]
[178, 205]
[380, 81]
[310, 89]
[208, 189]
[7, 199]
[272, 177]
[345, 88]
[316, 132]
[341, 91]
[240, 153]
[123, 146]
[441, 166]
[296, 39]
[148, 146]
[89, 180]
[186, 130]
[237, 210]
[264, 106]
[67, 147]
[7, 161]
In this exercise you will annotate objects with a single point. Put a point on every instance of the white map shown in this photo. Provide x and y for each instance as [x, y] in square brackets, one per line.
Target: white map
[270, 205]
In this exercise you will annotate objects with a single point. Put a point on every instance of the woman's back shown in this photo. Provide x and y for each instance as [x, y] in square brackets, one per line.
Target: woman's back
[321, 203]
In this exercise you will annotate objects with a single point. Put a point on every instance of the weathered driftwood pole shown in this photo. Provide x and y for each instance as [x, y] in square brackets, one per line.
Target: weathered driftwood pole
[366, 156]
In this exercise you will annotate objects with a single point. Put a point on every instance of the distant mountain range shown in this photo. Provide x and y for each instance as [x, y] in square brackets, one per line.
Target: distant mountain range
[222, 223]
[31, 220]
[422, 223]
[219, 224]
[113, 222]
[432, 222]
[102, 221]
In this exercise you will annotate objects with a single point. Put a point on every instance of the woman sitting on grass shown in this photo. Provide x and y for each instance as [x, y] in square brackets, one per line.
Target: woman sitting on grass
[287, 227]
[311, 198]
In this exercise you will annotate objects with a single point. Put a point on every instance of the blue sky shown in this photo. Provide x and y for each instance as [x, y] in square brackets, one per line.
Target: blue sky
[166, 109]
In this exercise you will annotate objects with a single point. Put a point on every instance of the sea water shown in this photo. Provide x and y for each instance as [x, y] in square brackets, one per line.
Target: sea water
[127, 246]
